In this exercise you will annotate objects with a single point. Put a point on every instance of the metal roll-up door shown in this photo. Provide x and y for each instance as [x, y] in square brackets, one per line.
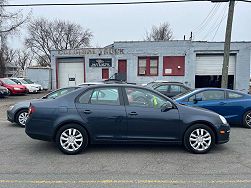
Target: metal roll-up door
[212, 64]
[70, 72]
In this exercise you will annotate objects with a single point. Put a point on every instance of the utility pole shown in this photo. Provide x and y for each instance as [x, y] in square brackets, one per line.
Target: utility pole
[224, 80]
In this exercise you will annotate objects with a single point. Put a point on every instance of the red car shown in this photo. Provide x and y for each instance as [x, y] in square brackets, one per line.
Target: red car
[13, 87]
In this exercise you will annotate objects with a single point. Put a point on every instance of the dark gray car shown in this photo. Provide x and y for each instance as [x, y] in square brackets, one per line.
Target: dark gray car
[4, 91]
[18, 113]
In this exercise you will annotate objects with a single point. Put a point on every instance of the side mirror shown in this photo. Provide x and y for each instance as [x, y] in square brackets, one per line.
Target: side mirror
[166, 107]
[197, 99]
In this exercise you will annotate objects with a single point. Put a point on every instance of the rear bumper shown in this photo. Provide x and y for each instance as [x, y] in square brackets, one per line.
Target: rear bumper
[39, 130]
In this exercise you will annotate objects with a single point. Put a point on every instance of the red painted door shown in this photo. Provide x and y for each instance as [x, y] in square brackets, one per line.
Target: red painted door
[105, 73]
[122, 69]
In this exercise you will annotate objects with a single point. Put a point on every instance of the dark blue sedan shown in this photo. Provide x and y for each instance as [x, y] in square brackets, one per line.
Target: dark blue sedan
[123, 114]
[235, 106]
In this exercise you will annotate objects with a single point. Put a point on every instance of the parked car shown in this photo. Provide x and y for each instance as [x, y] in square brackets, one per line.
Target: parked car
[13, 87]
[170, 89]
[32, 88]
[235, 106]
[4, 91]
[40, 87]
[112, 113]
[18, 113]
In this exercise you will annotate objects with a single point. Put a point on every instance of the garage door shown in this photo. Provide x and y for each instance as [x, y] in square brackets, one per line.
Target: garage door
[212, 65]
[70, 72]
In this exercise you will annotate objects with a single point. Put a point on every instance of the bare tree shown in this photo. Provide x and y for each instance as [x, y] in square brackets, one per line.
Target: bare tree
[10, 22]
[23, 58]
[45, 35]
[162, 32]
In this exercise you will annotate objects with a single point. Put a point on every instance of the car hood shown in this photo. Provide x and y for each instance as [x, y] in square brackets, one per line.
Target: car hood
[17, 86]
[196, 109]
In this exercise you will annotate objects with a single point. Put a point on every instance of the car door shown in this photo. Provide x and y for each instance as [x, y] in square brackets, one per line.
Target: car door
[145, 119]
[214, 100]
[103, 111]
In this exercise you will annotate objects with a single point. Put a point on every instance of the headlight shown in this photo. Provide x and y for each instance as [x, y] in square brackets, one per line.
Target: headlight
[224, 121]
[11, 107]
[16, 88]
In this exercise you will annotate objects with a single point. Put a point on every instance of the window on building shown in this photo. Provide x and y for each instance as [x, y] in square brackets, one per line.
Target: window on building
[148, 66]
[105, 73]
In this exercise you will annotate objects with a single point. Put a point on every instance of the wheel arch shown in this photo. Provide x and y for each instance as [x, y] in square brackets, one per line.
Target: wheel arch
[203, 122]
[71, 122]
[17, 112]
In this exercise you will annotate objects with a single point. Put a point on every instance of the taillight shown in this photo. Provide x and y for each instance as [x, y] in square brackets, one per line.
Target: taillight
[31, 110]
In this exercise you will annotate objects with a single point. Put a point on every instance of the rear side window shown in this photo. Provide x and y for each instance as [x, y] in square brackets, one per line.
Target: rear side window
[85, 97]
[162, 88]
[233, 95]
[107, 96]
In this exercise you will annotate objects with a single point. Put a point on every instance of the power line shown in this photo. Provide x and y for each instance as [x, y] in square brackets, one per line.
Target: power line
[208, 19]
[100, 4]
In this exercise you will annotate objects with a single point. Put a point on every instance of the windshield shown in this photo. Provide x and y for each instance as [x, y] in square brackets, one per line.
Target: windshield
[8, 81]
[28, 81]
[23, 81]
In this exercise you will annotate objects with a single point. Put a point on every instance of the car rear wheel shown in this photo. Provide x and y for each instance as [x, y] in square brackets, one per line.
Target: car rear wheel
[247, 119]
[72, 139]
[22, 117]
[199, 139]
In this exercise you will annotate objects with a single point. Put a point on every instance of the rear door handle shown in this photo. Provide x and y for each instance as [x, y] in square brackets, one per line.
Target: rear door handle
[133, 113]
[87, 111]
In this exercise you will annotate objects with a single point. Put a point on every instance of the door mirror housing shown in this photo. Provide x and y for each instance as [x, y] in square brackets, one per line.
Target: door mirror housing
[197, 99]
[166, 107]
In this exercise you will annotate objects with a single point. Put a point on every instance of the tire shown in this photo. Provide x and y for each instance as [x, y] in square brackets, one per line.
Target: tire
[247, 120]
[21, 117]
[71, 139]
[193, 136]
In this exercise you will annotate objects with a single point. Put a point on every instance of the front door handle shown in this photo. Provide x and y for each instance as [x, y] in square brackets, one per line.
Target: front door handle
[87, 111]
[133, 113]
[222, 103]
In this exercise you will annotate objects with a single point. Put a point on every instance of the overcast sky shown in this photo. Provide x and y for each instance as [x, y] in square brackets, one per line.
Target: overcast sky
[130, 22]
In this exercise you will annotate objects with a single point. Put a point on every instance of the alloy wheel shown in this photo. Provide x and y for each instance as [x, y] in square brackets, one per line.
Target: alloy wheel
[71, 139]
[22, 118]
[200, 139]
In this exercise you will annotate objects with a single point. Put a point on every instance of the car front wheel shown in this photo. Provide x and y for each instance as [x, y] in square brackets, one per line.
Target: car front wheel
[22, 117]
[72, 139]
[199, 139]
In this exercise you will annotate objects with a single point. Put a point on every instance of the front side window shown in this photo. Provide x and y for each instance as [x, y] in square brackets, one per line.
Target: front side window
[148, 66]
[107, 96]
[174, 89]
[144, 98]
[211, 95]
[233, 95]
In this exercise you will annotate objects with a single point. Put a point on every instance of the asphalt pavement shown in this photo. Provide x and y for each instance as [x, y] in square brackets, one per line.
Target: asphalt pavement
[25, 162]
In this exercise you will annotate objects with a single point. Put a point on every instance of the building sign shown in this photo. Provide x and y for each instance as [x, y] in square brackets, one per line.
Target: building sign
[100, 62]
[92, 51]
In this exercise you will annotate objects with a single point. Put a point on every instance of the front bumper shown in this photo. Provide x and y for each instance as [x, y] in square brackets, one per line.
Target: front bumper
[4, 93]
[223, 134]
[10, 116]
